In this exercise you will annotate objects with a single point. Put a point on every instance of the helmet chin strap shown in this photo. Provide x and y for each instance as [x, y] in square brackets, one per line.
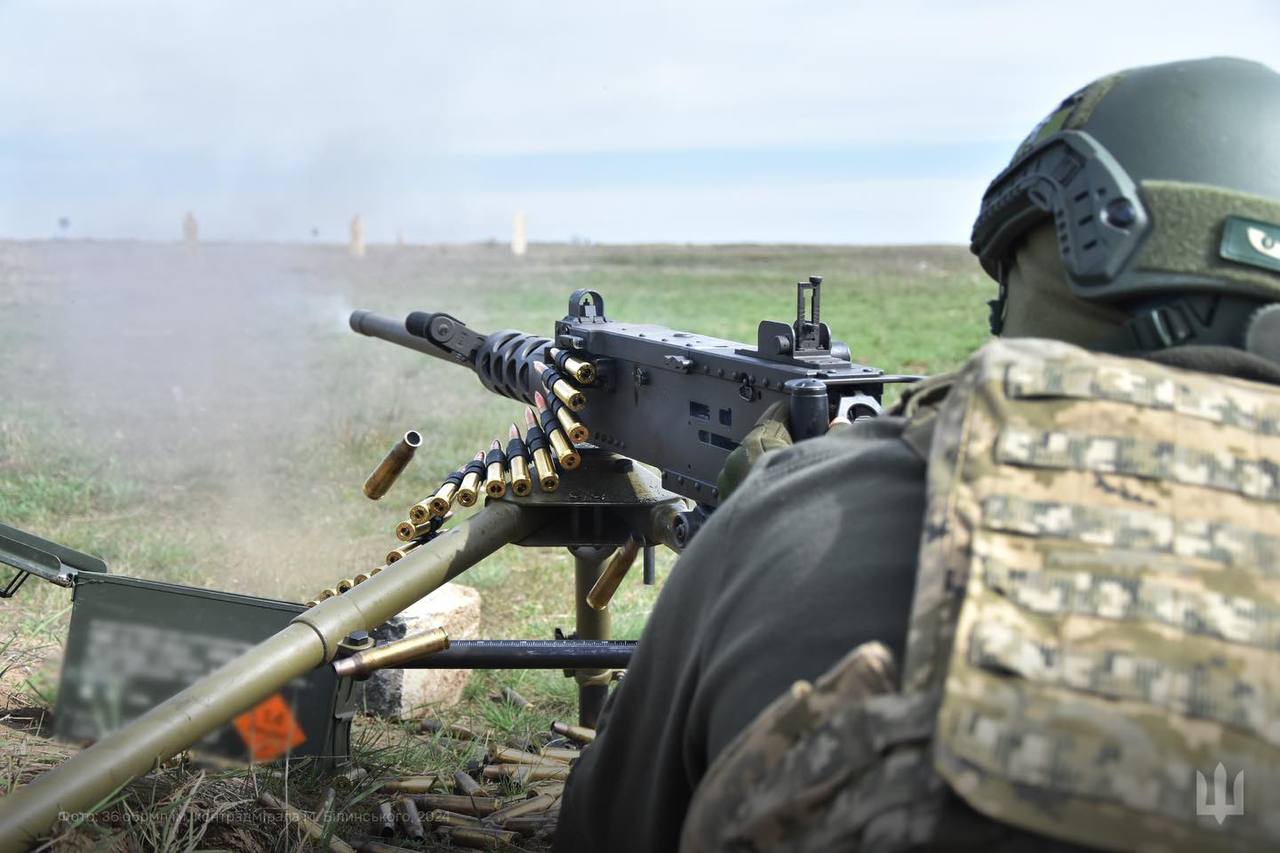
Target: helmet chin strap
[1200, 320]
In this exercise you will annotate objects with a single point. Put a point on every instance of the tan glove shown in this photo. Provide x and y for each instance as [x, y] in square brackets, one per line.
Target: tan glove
[771, 432]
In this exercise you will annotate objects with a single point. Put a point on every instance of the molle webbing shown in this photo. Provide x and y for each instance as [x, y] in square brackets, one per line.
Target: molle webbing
[1099, 596]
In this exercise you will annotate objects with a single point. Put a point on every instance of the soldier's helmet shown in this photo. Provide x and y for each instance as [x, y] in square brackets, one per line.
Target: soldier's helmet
[1163, 185]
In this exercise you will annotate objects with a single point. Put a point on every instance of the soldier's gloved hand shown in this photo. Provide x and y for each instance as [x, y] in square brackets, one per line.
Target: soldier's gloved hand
[771, 432]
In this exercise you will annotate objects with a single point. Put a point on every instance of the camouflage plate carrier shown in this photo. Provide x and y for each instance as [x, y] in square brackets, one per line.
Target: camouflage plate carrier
[1096, 630]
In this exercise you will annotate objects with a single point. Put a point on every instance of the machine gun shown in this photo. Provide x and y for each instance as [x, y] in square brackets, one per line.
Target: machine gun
[677, 401]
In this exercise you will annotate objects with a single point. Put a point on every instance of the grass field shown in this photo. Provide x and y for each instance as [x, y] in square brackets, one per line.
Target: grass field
[203, 415]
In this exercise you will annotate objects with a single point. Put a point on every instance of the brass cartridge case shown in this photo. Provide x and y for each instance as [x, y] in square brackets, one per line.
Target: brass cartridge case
[570, 396]
[344, 585]
[399, 553]
[383, 657]
[565, 454]
[410, 784]
[522, 774]
[548, 479]
[477, 806]
[607, 584]
[574, 428]
[582, 371]
[441, 817]
[495, 482]
[386, 819]
[532, 805]
[407, 531]
[521, 482]
[561, 753]
[581, 734]
[480, 838]
[469, 490]
[411, 819]
[443, 498]
[473, 789]
[391, 466]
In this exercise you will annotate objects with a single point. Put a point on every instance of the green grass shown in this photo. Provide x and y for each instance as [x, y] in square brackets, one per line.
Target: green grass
[230, 453]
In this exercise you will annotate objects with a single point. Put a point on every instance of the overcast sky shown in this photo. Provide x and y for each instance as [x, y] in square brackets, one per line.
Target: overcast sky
[840, 122]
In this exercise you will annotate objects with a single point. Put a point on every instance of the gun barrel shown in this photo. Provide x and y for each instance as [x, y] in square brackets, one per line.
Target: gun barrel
[392, 331]
[307, 642]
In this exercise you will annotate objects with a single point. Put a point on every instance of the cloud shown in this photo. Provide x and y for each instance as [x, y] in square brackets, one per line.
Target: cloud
[245, 101]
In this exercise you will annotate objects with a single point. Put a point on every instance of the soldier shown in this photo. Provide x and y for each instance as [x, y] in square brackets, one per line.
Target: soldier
[1037, 606]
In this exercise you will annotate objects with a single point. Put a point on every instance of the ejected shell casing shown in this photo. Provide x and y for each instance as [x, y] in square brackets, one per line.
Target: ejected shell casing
[407, 531]
[518, 462]
[411, 819]
[581, 734]
[560, 446]
[495, 479]
[473, 789]
[607, 584]
[459, 804]
[419, 645]
[481, 838]
[536, 439]
[471, 477]
[581, 371]
[574, 428]
[348, 779]
[524, 773]
[386, 819]
[392, 465]
[511, 755]
[410, 784]
[560, 753]
[531, 825]
[532, 805]
[556, 384]
[441, 817]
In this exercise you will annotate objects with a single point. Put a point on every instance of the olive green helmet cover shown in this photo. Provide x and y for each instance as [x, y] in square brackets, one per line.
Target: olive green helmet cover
[1162, 186]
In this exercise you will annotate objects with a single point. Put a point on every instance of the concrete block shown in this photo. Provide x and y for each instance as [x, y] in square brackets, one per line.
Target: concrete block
[409, 693]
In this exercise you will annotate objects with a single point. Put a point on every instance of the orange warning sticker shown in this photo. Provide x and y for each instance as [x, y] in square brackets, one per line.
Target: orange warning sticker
[269, 729]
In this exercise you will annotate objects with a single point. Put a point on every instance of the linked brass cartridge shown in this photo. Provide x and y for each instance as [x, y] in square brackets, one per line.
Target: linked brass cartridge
[574, 428]
[407, 531]
[438, 504]
[581, 371]
[392, 465]
[536, 439]
[560, 446]
[471, 477]
[495, 479]
[399, 553]
[344, 585]
[518, 462]
[556, 384]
